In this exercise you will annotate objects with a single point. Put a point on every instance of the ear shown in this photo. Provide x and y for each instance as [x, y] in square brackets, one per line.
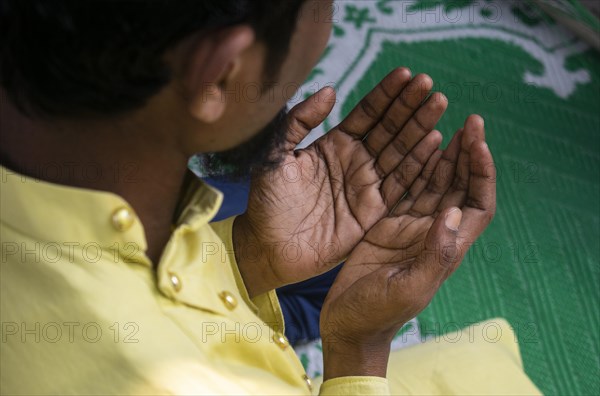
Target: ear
[213, 61]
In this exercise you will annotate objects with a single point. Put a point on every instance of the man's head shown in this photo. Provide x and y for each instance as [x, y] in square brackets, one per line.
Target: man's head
[213, 73]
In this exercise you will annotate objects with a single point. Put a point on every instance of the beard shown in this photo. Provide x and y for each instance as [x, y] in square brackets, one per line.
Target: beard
[261, 153]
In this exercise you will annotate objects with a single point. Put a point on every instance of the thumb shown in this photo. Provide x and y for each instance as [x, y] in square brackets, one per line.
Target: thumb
[441, 252]
[309, 114]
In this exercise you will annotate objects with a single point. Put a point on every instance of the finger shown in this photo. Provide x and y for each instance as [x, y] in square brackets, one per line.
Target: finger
[419, 185]
[480, 205]
[399, 113]
[474, 130]
[307, 115]
[441, 253]
[457, 193]
[424, 201]
[416, 127]
[372, 107]
[397, 183]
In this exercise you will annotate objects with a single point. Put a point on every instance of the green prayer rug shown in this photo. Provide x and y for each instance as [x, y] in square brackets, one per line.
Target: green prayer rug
[538, 87]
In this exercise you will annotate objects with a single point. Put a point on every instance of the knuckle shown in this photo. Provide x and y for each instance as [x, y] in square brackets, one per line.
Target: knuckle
[389, 126]
[449, 255]
[368, 108]
[404, 102]
[420, 125]
[388, 94]
[400, 146]
[401, 177]
[297, 124]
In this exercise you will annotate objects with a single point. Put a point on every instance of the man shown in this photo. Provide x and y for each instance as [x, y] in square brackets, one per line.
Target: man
[113, 280]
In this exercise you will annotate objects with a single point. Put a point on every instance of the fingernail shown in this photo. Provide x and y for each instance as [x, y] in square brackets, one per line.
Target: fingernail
[453, 219]
[329, 93]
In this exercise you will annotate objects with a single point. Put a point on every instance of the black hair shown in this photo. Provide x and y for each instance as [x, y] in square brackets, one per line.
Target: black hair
[80, 58]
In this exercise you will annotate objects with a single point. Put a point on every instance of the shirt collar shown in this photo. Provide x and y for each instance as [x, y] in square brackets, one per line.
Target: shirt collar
[52, 213]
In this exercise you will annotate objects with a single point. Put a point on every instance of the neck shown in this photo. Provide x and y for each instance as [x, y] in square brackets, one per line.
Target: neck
[124, 158]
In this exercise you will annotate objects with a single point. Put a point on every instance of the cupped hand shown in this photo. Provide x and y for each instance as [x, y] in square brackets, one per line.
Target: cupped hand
[395, 271]
[305, 216]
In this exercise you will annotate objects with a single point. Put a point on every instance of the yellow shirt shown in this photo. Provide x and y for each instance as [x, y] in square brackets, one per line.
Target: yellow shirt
[84, 312]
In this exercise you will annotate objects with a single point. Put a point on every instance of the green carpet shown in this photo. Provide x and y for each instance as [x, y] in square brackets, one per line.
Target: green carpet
[538, 87]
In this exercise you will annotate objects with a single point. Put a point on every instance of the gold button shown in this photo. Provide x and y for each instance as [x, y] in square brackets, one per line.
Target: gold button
[122, 219]
[280, 340]
[228, 299]
[308, 381]
[175, 282]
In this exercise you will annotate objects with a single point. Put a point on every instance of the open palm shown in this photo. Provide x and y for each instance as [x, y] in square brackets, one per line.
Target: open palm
[394, 272]
[309, 213]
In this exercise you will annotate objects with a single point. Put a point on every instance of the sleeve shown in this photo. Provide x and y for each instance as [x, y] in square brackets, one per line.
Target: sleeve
[265, 306]
[355, 386]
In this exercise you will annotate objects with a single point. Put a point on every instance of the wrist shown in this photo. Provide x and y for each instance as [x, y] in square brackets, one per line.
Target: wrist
[342, 359]
[248, 256]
